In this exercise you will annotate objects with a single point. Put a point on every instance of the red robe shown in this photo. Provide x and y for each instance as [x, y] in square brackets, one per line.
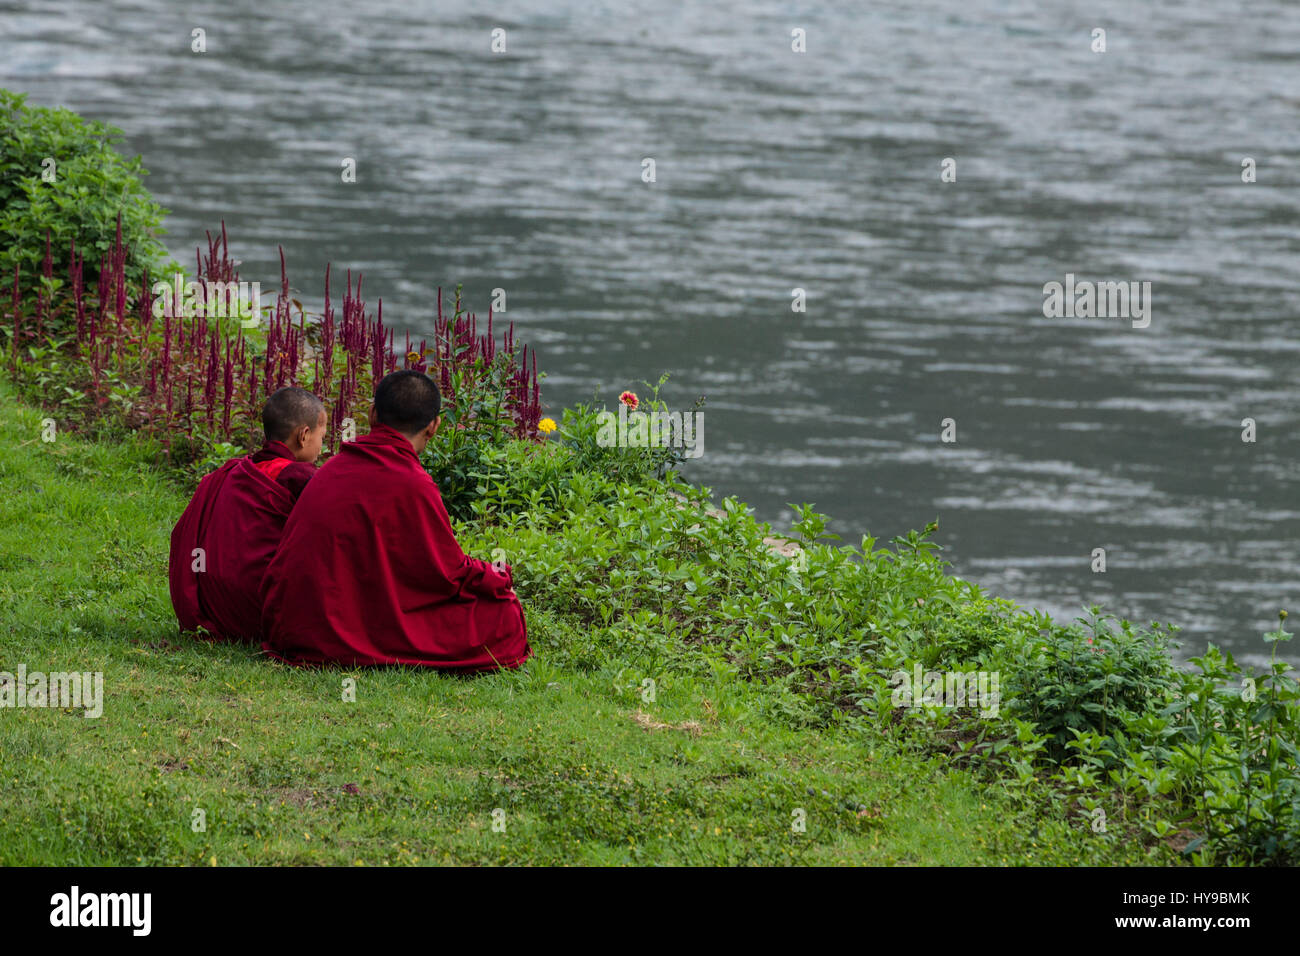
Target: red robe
[369, 572]
[236, 517]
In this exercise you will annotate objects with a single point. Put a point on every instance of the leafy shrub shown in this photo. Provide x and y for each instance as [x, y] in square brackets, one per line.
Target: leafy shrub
[973, 634]
[1088, 676]
[518, 476]
[586, 428]
[1233, 743]
[1215, 765]
[92, 183]
[491, 398]
[482, 469]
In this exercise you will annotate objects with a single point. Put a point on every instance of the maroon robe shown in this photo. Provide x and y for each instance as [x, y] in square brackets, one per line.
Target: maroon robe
[236, 517]
[293, 474]
[369, 573]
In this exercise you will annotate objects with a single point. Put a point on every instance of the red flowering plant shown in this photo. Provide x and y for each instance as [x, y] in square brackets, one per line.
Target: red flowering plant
[491, 394]
[167, 360]
[114, 355]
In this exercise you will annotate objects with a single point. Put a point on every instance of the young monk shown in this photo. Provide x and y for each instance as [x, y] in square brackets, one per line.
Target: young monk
[369, 571]
[225, 538]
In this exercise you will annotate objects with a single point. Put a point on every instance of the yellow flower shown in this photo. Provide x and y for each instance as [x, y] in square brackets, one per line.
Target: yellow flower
[546, 426]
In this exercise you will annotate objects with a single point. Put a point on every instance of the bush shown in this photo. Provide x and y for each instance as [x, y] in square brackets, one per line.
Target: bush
[582, 429]
[974, 635]
[1088, 677]
[516, 477]
[1232, 747]
[490, 397]
[482, 468]
[91, 184]
[1215, 766]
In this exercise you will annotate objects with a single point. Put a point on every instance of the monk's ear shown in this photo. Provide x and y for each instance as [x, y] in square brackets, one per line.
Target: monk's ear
[371, 415]
[436, 422]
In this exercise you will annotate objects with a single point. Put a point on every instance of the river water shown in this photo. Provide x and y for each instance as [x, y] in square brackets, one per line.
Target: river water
[821, 170]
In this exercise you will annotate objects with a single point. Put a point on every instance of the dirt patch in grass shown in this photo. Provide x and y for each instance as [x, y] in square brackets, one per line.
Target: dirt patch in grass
[649, 723]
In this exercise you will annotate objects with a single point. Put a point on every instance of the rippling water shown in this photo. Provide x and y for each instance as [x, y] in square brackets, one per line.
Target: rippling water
[821, 171]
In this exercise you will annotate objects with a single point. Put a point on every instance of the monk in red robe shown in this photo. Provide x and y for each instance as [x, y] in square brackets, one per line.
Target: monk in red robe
[225, 538]
[369, 571]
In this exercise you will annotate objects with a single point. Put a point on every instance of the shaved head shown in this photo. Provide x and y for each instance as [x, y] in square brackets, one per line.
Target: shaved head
[407, 401]
[289, 409]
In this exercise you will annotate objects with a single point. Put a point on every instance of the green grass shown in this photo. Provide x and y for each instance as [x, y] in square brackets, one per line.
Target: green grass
[287, 772]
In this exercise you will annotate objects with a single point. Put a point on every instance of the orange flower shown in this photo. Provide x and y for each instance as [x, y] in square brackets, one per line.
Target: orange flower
[413, 356]
[630, 400]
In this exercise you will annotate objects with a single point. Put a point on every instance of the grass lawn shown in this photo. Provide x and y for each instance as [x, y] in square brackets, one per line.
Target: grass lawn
[562, 762]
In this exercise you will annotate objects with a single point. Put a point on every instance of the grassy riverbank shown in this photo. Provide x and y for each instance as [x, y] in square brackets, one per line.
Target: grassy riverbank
[287, 772]
[696, 696]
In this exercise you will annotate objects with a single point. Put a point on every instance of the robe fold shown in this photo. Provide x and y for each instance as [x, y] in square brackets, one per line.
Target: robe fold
[236, 518]
[369, 572]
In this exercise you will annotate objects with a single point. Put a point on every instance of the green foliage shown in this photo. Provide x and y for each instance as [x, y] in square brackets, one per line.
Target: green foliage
[1093, 707]
[1233, 742]
[975, 634]
[219, 454]
[588, 428]
[1213, 769]
[670, 581]
[92, 184]
[486, 405]
[1090, 676]
[481, 462]
[481, 468]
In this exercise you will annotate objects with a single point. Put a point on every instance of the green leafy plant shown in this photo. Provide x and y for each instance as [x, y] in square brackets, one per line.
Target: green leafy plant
[1090, 676]
[1234, 747]
[62, 175]
[587, 428]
